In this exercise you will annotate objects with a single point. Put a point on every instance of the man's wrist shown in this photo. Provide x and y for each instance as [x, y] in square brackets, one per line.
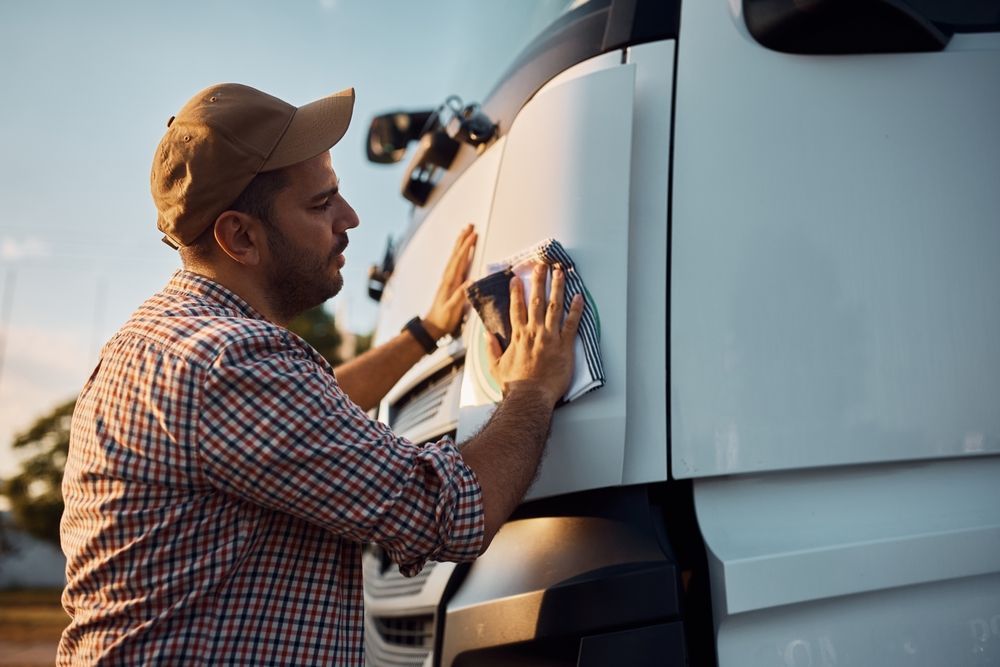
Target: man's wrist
[530, 390]
[433, 331]
[418, 330]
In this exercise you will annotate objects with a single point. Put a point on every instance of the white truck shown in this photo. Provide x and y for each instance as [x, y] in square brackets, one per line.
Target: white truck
[787, 213]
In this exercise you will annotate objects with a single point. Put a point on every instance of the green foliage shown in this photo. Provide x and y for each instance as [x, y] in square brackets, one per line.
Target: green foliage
[34, 493]
[363, 343]
[318, 328]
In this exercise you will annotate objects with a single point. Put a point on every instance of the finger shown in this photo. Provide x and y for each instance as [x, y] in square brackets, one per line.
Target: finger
[536, 309]
[457, 254]
[466, 239]
[554, 311]
[458, 297]
[448, 279]
[461, 239]
[457, 302]
[518, 313]
[461, 260]
[572, 322]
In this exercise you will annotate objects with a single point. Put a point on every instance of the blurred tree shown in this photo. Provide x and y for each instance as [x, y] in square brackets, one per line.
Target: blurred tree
[318, 328]
[363, 343]
[35, 494]
[6, 546]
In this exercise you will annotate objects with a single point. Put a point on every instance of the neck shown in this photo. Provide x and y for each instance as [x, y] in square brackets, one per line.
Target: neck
[238, 281]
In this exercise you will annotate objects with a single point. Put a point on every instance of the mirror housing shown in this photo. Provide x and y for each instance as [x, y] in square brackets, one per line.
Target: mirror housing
[379, 274]
[390, 133]
[436, 151]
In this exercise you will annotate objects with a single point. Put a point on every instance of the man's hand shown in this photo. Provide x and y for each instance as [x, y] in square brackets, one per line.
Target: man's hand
[540, 354]
[449, 303]
[367, 378]
[534, 371]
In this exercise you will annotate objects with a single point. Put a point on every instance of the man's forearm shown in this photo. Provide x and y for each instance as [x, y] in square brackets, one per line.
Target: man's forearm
[366, 379]
[506, 453]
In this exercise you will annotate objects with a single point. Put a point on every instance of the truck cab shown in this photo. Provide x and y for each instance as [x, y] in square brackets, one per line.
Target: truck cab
[787, 215]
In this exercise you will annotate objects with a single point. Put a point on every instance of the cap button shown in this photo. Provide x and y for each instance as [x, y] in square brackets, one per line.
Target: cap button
[170, 120]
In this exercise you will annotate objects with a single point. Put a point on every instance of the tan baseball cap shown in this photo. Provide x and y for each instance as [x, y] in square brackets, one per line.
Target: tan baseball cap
[223, 137]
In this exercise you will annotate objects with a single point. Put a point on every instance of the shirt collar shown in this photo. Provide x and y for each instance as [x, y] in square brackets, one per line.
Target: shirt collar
[193, 284]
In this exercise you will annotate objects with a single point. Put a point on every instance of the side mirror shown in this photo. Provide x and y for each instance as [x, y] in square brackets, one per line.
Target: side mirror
[436, 150]
[390, 133]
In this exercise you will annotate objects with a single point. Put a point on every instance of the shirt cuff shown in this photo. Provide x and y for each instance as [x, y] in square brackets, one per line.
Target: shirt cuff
[460, 524]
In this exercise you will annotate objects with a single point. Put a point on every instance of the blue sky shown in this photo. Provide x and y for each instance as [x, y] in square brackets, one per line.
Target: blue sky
[87, 89]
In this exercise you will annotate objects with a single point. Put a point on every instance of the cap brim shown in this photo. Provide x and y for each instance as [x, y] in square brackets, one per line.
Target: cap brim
[315, 127]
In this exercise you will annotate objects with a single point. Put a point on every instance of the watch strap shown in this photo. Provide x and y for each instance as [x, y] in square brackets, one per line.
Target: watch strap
[419, 333]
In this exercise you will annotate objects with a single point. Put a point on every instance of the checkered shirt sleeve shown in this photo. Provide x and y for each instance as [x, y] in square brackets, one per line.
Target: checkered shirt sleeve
[277, 431]
[220, 486]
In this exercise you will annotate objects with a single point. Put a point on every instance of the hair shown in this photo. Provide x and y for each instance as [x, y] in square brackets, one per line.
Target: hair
[257, 199]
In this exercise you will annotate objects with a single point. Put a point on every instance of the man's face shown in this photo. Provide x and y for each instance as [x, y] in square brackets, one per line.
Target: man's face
[307, 237]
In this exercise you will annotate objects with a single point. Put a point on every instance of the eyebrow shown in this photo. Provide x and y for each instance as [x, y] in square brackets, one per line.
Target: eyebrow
[326, 194]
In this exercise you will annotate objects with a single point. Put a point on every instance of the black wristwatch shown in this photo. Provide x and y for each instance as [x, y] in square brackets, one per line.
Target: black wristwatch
[417, 330]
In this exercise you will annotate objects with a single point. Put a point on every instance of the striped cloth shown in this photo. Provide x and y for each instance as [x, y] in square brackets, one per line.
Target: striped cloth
[490, 296]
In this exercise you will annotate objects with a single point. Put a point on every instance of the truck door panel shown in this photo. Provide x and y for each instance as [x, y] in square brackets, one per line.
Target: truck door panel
[565, 174]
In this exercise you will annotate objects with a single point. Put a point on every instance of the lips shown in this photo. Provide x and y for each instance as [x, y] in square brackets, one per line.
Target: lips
[342, 246]
[337, 256]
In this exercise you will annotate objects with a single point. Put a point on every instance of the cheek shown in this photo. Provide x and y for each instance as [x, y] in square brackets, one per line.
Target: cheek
[315, 230]
[305, 234]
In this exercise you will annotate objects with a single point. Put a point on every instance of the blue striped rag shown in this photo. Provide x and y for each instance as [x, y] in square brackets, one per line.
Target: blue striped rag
[490, 296]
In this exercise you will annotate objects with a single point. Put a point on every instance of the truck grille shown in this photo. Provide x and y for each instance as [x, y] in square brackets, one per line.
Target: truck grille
[399, 620]
[391, 584]
[399, 611]
[407, 630]
[424, 402]
[398, 642]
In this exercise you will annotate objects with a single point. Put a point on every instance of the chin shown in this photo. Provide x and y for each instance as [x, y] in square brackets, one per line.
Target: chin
[336, 284]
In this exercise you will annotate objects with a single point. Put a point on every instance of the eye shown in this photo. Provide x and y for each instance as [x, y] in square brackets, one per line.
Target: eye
[324, 206]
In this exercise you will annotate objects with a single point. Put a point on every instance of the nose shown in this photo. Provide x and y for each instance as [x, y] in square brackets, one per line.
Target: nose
[349, 217]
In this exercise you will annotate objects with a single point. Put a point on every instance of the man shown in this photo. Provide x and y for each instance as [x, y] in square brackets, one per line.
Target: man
[222, 479]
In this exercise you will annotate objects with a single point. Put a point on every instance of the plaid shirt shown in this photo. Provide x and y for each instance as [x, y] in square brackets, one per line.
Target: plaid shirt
[220, 486]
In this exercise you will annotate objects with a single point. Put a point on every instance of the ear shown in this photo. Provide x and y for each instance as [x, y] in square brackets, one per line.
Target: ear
[240, 236]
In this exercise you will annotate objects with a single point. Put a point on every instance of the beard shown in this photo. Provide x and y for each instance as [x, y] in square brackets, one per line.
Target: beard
[297, 280]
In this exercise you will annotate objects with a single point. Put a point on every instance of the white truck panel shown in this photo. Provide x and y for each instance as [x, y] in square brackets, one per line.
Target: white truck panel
[954, 623]
[565, 174]
[834, 254]
[419, 268]
[785, 538]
